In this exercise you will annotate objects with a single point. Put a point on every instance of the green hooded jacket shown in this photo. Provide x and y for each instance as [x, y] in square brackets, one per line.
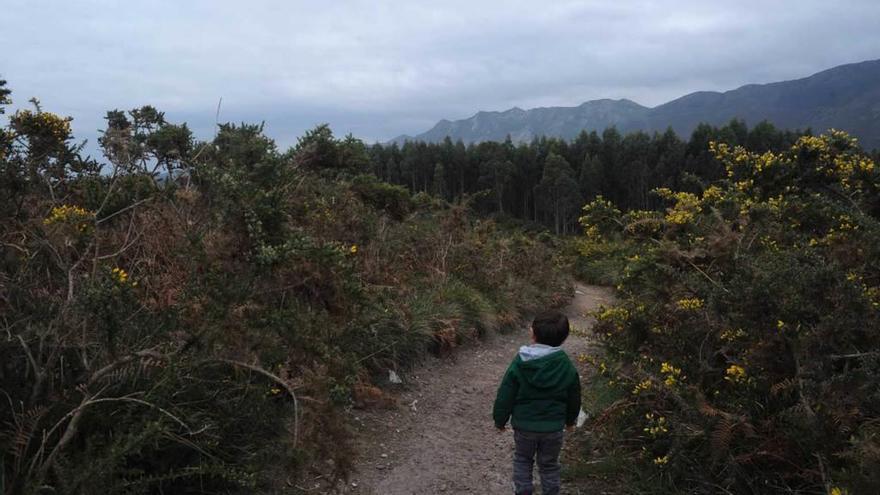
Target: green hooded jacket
[541, 393]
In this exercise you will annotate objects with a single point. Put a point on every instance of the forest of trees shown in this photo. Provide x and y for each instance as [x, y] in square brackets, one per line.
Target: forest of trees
[549, 179]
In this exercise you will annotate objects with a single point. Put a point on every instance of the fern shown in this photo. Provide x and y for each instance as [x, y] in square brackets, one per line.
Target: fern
[21, 433]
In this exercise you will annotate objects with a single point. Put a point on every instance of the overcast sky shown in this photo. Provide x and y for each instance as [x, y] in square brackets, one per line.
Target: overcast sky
[380, 68]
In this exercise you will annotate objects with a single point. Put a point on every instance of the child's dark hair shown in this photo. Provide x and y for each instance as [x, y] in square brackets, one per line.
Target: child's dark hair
[550, 328]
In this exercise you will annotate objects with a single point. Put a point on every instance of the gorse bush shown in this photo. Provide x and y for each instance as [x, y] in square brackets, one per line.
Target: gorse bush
[195, 317]
[744, 353]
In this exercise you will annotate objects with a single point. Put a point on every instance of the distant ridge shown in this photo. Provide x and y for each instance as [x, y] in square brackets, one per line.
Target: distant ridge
[846, 97]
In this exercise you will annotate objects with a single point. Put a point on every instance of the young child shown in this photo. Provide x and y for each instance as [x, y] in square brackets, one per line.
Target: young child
[540, 393]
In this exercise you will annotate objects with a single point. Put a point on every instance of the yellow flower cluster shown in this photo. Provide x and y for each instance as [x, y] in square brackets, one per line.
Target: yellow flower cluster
[661, 461]
[719, 149]
[713, 194]
[593, 361]
[730, 335]
[735, 374]
[45, 123]
[837, 234]
[616, 315]
[848, 165]
[641, 387]
[686, 207]
[873, 295]
[353, 249]
[121, 277]
[770, 243]
[592, 232]
[836, 490]
[776, 204]
[739, 157]
[656, 425]
[68, 213]
[672, 375]
[832, 163]
[689, 304]
[811, 143]
[764, 161]
[745, 185]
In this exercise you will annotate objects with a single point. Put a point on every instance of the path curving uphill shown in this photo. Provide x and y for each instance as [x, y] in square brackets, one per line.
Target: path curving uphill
[440, 437]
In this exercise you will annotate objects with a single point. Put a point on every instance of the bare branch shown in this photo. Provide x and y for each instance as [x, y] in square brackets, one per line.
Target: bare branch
[133, 205]
[854, 355]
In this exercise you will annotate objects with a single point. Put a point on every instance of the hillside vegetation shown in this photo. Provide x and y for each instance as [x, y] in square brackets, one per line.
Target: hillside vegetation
[744, 355]
[195, 317]
[198, 317]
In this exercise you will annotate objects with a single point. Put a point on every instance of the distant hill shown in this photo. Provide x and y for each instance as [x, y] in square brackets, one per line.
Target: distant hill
[846, 97]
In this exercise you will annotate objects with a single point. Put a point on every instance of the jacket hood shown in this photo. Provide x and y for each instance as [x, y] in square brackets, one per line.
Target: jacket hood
[535, 351]
[544, 366]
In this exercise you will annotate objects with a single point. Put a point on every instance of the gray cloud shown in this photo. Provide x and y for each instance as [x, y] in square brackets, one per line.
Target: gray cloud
[381, 68]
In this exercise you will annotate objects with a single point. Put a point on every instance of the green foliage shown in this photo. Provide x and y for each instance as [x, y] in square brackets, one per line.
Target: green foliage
[198, 319]
[316, 149]
[745, 344]
[396, 201]
[145, 142]
[4, 96]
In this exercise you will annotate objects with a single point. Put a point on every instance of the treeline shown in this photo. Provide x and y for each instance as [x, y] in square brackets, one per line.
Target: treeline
[549, 179]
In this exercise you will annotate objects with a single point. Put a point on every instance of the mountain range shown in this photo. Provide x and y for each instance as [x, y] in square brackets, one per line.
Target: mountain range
[846, 97]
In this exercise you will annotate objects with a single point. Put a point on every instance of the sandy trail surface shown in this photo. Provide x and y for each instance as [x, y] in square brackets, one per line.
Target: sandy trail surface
[440, 437]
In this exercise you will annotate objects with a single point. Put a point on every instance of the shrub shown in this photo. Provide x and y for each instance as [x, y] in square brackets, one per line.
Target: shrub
[205, 332]
[746, 334]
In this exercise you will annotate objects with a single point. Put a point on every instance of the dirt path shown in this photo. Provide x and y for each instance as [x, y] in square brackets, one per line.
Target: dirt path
[440, 438]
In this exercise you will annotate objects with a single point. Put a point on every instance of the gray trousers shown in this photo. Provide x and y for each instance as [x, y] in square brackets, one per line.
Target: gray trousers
[546, 447]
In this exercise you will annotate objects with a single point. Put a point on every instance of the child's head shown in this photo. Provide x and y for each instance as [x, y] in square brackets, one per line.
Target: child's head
[550, 328]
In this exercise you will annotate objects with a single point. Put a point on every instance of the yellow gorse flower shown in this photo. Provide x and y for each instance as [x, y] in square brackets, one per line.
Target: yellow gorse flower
[713, 193]
[686, 207]
[643, 386]
[121, 277]
[69, 214]
[672, 374]
[730, 335]
[735, 374]
[656, 425]
[617, 315]
[45, 123]
[689, 304]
